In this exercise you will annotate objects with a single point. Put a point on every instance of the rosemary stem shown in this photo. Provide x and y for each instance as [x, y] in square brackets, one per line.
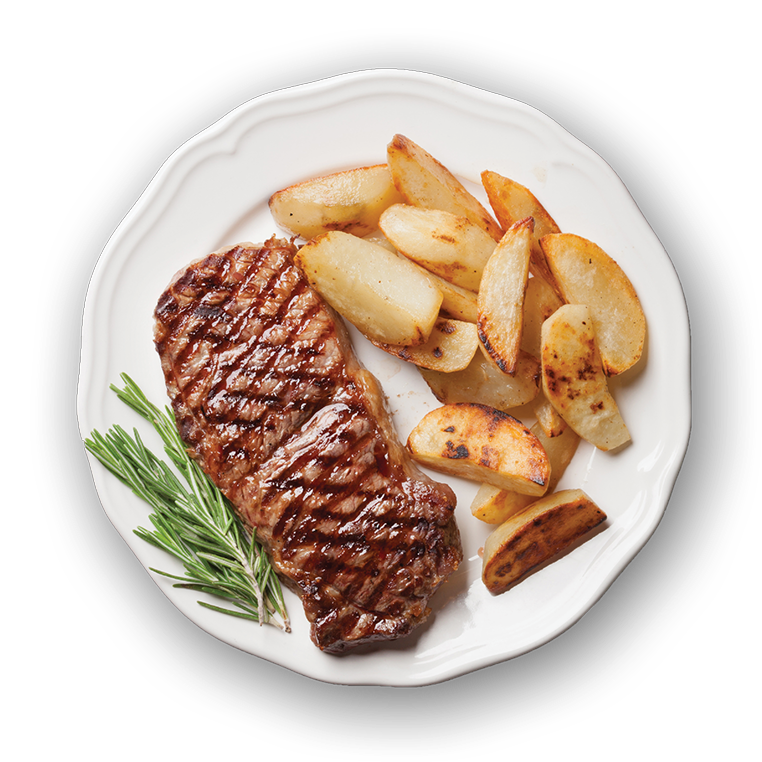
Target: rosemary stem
[196, 524]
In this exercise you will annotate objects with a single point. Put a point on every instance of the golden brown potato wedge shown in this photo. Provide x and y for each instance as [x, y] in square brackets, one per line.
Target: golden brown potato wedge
[482, 444]
[450, 347]
[444, 243]
[494, 506]
[547, 416]
[536, 536]
[586, 274]
[540, 302]
[482, 382]
[424, 181]
[511, 202]
[351, 201]
[501, 296]
[457, 303]
[573, 379]
[378, 291]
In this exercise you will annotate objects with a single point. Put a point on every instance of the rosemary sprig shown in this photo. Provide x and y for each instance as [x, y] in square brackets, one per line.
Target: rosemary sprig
[193, 521]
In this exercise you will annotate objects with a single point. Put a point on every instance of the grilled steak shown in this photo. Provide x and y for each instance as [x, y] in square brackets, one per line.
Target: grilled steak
[271, 400]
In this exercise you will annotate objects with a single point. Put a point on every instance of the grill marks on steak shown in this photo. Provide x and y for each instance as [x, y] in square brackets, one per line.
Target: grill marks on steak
[245, 344]
[269, 396]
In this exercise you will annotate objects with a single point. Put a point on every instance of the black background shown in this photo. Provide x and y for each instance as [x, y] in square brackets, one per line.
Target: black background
[656, 645]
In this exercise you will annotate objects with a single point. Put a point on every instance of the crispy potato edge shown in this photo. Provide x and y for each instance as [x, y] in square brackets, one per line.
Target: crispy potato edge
[541, 533]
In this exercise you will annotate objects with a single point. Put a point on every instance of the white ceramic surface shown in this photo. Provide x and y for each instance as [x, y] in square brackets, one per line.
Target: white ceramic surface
[213, 191]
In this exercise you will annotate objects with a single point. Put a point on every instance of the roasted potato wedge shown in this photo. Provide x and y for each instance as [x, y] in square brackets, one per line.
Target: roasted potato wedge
[482, 444]
[482, 382]
[381, 293]
[573, 379]
[444, 243]
[450, 348]
[494, 506]
[511, 201]
[424, 181]
[457, 303]
[351, 201]
[540, 302]
[586, 274]
[501, 296]
[535, 536]
[547, 416]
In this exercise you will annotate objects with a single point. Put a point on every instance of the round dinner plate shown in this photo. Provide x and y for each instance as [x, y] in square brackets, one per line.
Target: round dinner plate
[213, 191]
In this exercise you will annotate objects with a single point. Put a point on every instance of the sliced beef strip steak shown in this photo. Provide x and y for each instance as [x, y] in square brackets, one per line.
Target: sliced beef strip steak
[271, 400]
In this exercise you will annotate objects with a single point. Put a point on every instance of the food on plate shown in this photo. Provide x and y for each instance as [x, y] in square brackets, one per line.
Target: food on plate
[351, 201]
[272, 402]
[540, 302]
[381, 293]
[458, 303]
[573, 379]
[537, 535]
[423, 181]
[511, 202]
[482, 382]
[586, 274]
[501, 296]
[446, 244]
[482, 444]
[494, 506]
[551, 422]
[451, 347]
[217, 554]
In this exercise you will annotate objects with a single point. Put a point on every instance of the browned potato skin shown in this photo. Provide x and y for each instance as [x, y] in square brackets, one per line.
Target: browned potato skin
[535, 536]
[424, 181]
[351, 200]
[573, 380]
[450, 348]
[586, 274]
[501, 296]
[495, 506]
[484, 383]
[511, 202]
[446, 244]
[482, 444]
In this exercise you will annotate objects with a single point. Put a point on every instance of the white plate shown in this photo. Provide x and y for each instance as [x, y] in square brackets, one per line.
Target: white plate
[213, 191]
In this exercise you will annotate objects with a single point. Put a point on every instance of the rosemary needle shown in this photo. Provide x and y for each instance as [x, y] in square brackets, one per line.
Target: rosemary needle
[192, 520]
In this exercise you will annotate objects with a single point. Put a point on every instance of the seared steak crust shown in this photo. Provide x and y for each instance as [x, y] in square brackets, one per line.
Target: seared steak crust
[271, 400]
